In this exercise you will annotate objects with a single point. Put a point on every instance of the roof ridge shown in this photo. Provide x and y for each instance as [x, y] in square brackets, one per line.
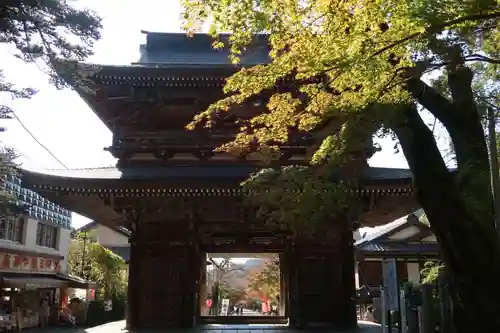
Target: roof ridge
[80, 169]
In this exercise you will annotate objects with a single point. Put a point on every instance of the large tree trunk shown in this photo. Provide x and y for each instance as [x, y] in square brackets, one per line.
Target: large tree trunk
[466, 235]
[460, 117]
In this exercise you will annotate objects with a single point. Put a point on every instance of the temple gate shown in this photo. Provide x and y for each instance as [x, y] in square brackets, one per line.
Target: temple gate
[181, 200]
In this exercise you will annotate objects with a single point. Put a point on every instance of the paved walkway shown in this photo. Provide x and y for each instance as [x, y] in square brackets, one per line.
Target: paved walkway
[119, 327]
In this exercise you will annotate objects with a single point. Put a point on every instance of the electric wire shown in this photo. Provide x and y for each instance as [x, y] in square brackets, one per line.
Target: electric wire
[38, 142]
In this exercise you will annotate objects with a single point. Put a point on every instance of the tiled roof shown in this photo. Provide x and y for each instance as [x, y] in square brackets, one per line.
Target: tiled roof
[400, 248]
[382, 231]
[379, 241]
[177, 49]
[89, 226]
[374, 174]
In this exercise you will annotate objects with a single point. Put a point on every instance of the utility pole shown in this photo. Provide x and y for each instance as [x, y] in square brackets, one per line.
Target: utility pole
[495, 176]
[82, 268]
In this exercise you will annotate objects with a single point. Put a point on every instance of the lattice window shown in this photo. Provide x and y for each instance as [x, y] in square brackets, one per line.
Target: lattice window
[12, 229]
[46, 235]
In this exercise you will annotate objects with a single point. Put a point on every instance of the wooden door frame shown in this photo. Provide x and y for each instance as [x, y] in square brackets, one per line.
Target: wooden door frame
[235, 320]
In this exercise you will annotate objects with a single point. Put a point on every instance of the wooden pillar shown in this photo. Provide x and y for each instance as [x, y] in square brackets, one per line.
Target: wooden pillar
[202, 286]
[168, 287]
[133, 288]
[283, 303]
[321, 281]
[348, 282]
[191, 285]
[163, 277]
[294, 301]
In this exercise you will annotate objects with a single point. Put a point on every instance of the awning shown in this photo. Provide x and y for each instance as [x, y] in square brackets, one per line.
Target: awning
[77, 282]
[31, 282]
[34, 281]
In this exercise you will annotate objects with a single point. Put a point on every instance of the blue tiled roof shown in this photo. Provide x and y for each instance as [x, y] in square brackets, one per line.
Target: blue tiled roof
[34, 205]
[177, 49]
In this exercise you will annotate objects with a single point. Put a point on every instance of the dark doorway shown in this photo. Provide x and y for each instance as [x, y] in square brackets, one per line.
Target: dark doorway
[243, 288]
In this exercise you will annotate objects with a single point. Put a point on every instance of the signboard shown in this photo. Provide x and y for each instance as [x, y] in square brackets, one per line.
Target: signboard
[390, 279]
[108, 305]
[225, 307]
[26, 263]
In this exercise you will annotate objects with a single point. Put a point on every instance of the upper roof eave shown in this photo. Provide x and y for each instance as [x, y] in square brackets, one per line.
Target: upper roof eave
[196, 174]
[76, 72]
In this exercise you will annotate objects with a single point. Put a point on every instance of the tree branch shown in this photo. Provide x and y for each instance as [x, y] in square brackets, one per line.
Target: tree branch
[214, 263]
[463, 124]
[442, 108]
[420, 150]
[437, 28]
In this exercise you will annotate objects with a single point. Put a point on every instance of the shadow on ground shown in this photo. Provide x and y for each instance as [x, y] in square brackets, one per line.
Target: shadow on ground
[119, 327]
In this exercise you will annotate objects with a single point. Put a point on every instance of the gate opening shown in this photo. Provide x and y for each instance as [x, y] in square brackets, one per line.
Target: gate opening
[243, 288]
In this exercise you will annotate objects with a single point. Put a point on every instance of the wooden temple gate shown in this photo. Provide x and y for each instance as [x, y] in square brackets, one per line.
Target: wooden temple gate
[168, 254]
[180, 198]
[173, 228]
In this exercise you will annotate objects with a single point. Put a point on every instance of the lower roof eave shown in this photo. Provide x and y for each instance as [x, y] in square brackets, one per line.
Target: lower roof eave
[361, 255]
[193, 178]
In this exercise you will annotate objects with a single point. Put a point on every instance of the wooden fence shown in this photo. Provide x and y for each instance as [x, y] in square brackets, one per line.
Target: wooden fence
[424, 308]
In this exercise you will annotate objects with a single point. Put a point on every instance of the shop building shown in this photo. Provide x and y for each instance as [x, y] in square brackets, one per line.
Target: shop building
[34, 245]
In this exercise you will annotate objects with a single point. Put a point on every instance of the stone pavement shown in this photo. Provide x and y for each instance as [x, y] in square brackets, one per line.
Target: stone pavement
[119, 327]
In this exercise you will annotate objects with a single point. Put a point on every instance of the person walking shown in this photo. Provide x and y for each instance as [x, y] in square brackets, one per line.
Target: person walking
[43, 311]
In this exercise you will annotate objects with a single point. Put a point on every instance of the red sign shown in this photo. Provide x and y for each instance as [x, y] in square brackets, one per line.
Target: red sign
[25, 263]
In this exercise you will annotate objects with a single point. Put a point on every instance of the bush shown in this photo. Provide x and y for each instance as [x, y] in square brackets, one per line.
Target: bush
[97, 316]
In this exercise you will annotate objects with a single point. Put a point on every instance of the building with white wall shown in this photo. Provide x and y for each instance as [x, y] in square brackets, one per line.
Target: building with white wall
[406, 240]
[34, 240]
[114, 239]
[34, 244]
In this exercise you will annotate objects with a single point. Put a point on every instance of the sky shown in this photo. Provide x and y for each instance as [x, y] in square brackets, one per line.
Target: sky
[63, 123]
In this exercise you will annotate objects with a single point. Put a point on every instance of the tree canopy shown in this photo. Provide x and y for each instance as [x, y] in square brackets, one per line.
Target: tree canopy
[353, 68]
[364, 52]
[88, 259]
[266, 282]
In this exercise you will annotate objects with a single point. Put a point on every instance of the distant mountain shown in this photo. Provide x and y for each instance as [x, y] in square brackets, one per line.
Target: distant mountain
[254, 262]
[239, 278]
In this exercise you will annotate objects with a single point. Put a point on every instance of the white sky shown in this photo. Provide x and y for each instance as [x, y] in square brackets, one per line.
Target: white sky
[62, 122]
